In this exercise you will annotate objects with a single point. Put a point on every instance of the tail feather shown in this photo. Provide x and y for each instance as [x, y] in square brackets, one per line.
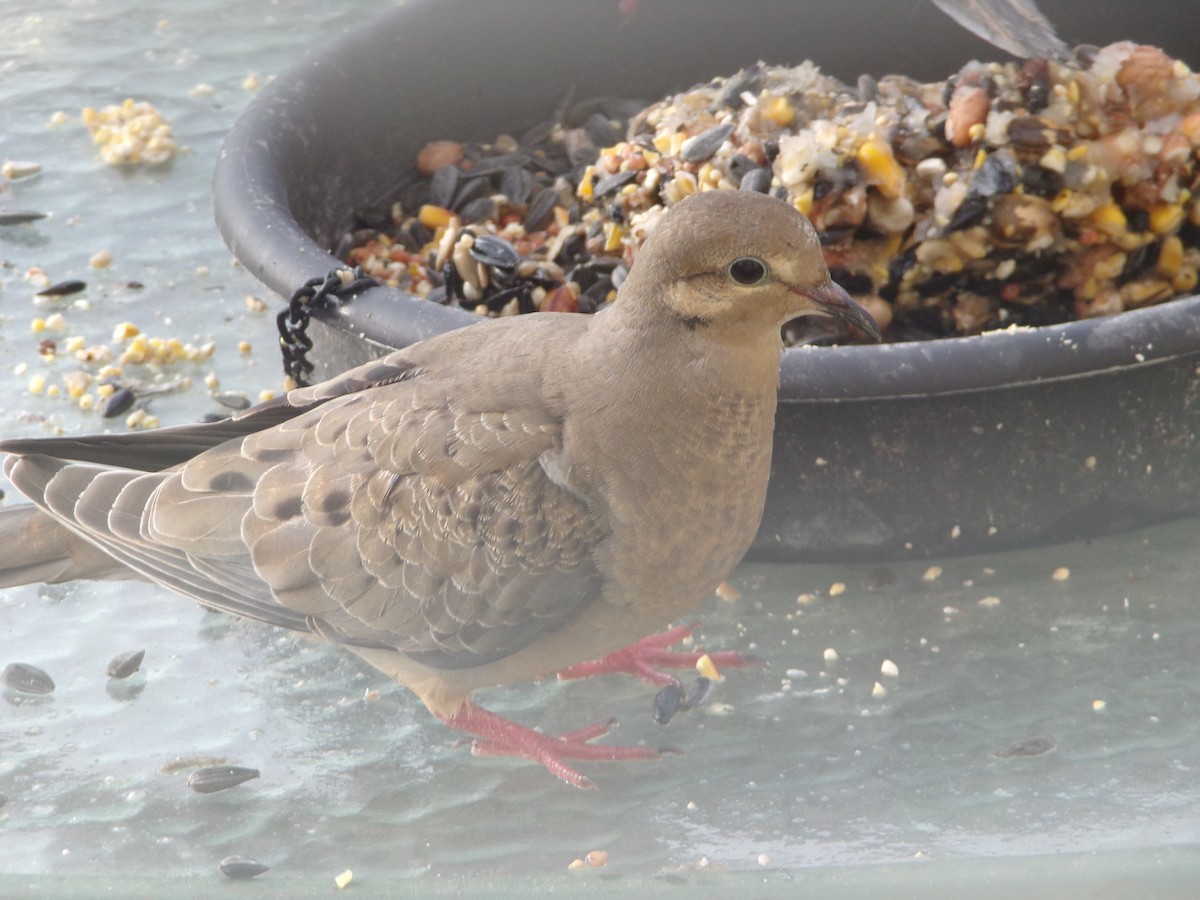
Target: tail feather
[34, 548]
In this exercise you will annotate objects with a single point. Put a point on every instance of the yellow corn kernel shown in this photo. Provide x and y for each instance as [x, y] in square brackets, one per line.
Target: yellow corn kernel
[881, 168]
[585, 189]
[980, 158]
[804, 201]
[779, 111]
[86, 401]
[77, 382]
[1078, 152]
[124, 331]
[434, 216]
[37, 325]
[1165, 218]
[612, 236]
[104, 391]
[1185, 281]
[37, 384]
[1170, 257]
[1110, 219]
[707, 668]
[662, 143]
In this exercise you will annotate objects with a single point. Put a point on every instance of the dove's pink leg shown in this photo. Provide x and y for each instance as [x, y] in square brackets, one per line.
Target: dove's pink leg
[498, 736]
[646, 658]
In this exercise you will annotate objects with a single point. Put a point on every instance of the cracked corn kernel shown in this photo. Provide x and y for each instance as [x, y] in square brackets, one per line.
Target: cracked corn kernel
[343, 879]
[37, 384]
[728, 592]
[933, 573]
[596, 858]
[779, 111]
[244, 347]
[706, 667]
[881, 168]
[434, 216]
[1062, 573]
[837, 589]
[124, 331]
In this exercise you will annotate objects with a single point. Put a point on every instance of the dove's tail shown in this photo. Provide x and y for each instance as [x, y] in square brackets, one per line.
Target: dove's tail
[34, 548]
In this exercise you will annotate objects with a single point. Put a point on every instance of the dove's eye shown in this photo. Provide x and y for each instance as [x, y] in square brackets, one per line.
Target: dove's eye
[747, 270]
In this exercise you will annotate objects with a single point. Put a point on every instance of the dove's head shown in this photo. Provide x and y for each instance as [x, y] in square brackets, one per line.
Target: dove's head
[737, 260]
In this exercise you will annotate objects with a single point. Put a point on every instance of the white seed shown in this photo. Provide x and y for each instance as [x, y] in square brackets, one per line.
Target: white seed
[1062, 573]
[889, 669]
[831, 655]
[933, 573]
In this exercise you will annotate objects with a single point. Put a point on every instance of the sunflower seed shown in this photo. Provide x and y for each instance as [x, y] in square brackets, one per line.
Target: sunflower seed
[20, 216]
[117, 402]
[756, 180]
[443, 185]
[240, 867]
[27, 678]
[516, 184]
[63, 288]
[541, 209]
[667, 702]
[125, 664]
[494, 251]
[610, 183]
[703, 145]
[219, 778]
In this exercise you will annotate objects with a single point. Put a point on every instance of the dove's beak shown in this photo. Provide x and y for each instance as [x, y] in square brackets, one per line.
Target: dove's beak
[831, 300]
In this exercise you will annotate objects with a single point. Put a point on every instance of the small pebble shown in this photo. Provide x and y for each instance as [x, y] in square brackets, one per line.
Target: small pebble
[125, 664]
[239, 867]
[29, 679]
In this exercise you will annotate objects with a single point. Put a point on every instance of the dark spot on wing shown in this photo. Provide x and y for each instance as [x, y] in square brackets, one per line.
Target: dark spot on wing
[230, 481]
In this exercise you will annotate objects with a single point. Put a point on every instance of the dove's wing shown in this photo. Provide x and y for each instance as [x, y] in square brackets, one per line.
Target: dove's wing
[404, 504]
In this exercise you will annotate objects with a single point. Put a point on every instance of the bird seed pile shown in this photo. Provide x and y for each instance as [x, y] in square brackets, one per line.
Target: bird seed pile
[1010, 194]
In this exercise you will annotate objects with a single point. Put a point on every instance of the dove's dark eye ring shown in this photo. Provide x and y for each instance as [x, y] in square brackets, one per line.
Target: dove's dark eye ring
[747, 270]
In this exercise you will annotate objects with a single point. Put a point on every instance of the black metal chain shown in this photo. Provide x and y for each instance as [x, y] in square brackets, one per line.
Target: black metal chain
[321, 292]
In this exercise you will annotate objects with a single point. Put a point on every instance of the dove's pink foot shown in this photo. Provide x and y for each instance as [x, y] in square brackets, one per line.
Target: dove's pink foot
[647, 658]
[498, 736]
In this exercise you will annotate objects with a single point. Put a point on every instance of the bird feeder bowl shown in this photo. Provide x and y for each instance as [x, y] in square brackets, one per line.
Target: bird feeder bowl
[928, 448]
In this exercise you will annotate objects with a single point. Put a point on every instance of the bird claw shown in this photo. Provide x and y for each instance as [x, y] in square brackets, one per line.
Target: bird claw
[497, 736]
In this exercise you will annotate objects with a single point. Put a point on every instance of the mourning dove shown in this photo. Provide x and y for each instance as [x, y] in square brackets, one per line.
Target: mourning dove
[490, 505]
